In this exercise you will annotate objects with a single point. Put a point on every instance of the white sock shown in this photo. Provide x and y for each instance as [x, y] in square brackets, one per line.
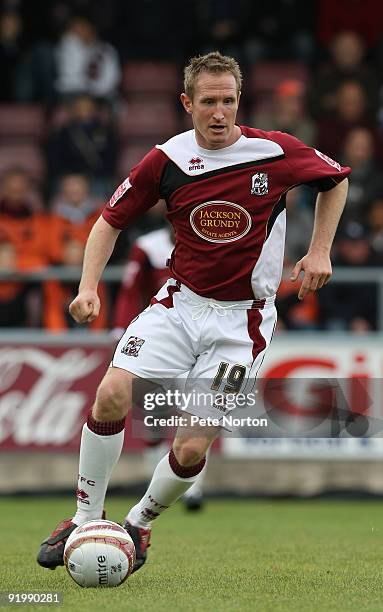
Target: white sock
[153, 455]
[196, 489]
[98, 456]
[164, 489]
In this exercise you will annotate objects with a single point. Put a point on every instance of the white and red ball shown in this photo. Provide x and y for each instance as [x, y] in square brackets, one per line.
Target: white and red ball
[99, 554]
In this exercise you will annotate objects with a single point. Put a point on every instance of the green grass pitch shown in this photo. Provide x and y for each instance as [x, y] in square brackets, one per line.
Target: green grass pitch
[236, 555]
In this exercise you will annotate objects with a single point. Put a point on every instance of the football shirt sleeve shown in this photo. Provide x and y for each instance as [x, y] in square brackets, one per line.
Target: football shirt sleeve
[137, 193]
[310, 166]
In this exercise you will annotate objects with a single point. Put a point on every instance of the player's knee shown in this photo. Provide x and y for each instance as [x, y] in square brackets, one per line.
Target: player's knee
[112, 401]
[189, 452]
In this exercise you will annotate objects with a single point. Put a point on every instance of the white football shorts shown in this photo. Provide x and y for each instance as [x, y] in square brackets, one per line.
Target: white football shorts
[200, 345]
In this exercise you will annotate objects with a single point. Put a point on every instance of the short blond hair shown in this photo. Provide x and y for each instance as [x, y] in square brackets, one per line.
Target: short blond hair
[213, 62]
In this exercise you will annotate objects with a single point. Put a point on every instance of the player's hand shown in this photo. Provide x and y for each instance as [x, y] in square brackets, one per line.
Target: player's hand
[85, 307]
[316, 266]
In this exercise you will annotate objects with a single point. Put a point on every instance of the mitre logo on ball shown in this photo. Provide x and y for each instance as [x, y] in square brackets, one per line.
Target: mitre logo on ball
[99, 553]
[220, 221]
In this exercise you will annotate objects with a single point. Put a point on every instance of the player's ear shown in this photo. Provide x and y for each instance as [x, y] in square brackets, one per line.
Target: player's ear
[186, 103]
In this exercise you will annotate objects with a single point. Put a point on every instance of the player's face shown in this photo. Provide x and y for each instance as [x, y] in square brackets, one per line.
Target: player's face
[213, 109]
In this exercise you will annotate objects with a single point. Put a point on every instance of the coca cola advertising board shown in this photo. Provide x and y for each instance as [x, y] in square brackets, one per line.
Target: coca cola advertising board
[46, 392]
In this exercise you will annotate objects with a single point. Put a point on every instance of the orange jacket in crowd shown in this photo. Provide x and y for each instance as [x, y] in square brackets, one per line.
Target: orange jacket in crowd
[61, 231]
[40, 240]
[28, 235]
[58, 296]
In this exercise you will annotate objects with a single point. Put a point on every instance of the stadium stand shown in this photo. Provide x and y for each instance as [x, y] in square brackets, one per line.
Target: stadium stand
[22, 123]
[143, 119]
[143, 78]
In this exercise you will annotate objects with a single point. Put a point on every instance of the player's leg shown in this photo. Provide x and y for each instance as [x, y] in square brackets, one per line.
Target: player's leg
[235, 343]
[140, 352]
[101, 444]
[177, 471]
[193, 498]
[156, 443]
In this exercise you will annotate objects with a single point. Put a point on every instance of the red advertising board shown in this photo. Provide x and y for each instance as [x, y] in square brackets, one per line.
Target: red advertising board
[46, 392]
[47, 385]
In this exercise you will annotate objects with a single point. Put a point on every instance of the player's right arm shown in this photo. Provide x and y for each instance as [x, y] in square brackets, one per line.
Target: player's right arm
[99, 247]
[135, 195]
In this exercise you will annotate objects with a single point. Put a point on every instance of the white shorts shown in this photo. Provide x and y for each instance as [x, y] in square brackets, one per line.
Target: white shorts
[210, 345]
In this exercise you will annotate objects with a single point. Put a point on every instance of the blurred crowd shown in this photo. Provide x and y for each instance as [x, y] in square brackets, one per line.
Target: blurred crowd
[89, 87]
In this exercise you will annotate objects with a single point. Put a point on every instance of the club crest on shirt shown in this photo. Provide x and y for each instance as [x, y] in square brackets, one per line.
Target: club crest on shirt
[121, 189]
[132, 347]
[259, 184]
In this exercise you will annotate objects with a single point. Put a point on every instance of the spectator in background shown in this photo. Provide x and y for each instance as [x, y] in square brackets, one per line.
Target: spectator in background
[16, 297]
[288, 113]
[374, 217]
[12, 46]
[18, 197]
[280, 30]
[86, 64]
[148, 30]
[86, 144]
[351, 111]
[221, 25]
[22, 249]
[346, 63]
[74, 212]
[21, 220]
[366, 176]
[345, 306]
[362, 16]
[36, 75]
[26, 64]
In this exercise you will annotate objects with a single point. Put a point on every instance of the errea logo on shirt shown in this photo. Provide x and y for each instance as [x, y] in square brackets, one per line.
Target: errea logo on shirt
[196, 163]
[121, 189]
[220, 221]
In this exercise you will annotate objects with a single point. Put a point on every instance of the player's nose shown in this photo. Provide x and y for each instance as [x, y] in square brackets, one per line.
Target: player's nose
[218, 114]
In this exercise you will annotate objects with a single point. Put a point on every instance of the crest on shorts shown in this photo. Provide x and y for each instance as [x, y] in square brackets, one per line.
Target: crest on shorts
[259, 184]
[132, 346]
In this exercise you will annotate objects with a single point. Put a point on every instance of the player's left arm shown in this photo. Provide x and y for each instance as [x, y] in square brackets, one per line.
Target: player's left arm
[316, 264]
